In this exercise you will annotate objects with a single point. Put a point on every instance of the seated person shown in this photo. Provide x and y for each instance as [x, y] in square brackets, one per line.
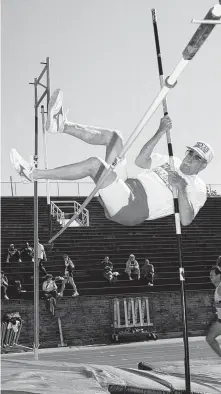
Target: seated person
[13, 255]
[132, 268]
[106, 262]
[109, 275]
[148, 272]
[49, 288]
[68, 276]
[27, 253]
[18, 290]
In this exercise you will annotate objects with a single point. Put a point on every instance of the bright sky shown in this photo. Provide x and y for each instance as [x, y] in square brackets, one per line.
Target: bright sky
[103, 57]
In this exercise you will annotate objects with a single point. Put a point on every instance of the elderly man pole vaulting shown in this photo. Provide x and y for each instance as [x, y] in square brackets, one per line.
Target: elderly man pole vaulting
[144, 192]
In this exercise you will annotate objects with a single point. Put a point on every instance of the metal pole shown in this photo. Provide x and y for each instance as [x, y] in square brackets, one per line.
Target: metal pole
[46, 166]
[48, 98]
[176, 216]
[48, 80]
[11, 186]
[188, 53]
[206, 22]
[36, 264]
[36, 270]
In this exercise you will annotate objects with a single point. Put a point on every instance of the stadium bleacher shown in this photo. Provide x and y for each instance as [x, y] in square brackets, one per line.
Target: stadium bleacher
[87, 246]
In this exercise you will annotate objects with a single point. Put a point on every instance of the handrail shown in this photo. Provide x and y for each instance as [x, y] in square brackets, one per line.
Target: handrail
[63, 188]
[83, 218]
[15, 189]
[84, 214]
[55, 211]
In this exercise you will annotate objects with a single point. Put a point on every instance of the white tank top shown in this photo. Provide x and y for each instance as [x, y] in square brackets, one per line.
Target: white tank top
[217, 299]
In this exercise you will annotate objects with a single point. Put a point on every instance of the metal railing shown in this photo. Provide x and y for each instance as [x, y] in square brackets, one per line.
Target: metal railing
[213, 189]
[84, 215]
[57, 189]
[78, 189]
[56, 210]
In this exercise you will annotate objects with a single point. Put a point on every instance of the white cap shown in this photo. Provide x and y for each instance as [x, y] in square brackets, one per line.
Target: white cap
[203, 149]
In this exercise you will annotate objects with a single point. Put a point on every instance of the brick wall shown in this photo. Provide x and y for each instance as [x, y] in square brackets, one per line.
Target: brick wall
[87, 320]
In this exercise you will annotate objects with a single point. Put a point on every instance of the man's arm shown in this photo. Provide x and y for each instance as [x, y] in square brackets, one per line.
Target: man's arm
[185, 206]
[143, 160]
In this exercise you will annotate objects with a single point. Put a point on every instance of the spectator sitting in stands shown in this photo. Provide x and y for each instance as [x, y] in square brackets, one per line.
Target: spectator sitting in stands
[49, 288]
[109, 275]
[18, 290]
[13, 255]
[132, 268]
[107, 263]
[148, 272]
[27, 253]
[68, 276]
[4, 286]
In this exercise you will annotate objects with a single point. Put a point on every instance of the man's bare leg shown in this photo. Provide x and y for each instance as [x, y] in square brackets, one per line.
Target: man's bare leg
[112, 139]
[58, 123]
[93, 167]
[214, 332]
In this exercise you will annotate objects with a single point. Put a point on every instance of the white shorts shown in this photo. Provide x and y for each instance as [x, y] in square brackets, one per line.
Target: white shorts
[116, 195]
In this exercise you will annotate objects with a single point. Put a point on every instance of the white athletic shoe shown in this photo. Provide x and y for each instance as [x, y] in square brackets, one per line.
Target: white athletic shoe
[22, 167]
[56, 118]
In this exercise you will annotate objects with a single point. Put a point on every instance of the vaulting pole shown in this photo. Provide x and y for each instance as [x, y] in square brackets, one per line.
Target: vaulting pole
[176, 214]
[189, 52]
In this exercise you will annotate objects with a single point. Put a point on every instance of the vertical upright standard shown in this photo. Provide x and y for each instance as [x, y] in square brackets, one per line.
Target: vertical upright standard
[176, 214]
[46, 167]
[46, 93]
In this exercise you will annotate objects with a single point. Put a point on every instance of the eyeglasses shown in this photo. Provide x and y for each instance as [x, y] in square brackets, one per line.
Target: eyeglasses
[197, 157]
